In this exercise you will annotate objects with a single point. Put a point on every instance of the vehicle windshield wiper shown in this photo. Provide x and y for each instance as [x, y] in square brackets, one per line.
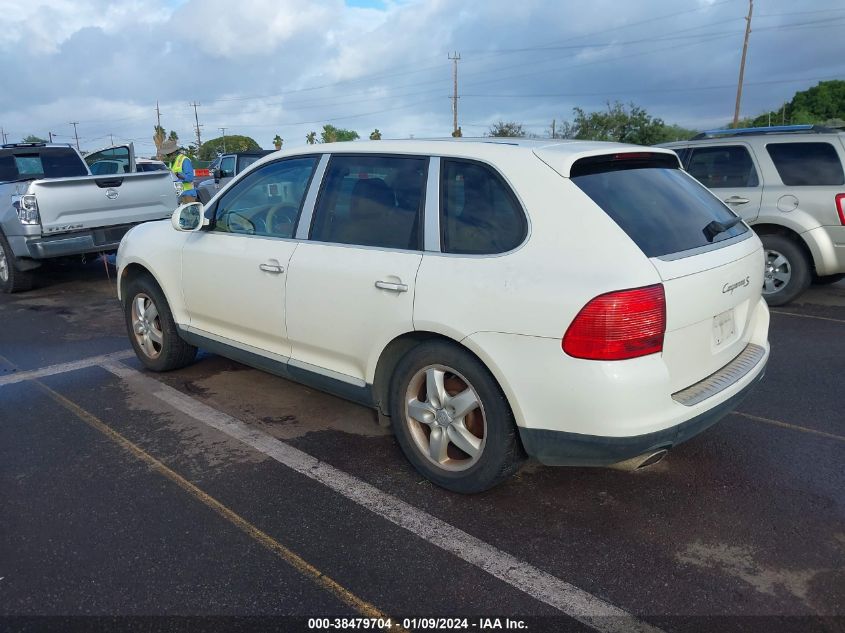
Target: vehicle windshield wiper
[715, 227]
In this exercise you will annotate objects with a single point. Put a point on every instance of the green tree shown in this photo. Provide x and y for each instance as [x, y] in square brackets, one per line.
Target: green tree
[31, 138]
[457, 133]
[173, 136]
[234, 143]
[332, 134]
[506, 129]
[278, 141]
[311, 138]
[823, 104]
[375, 135]
[619, 123]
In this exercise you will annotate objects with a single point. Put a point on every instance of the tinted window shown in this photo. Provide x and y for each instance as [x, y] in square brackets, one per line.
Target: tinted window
[267, 201]
[806, 164]
[723, 167]
[478, 212]
[662, 210]
[54, 162]
[371, 201]
[150, 167]
[246, 161]
[227, 167]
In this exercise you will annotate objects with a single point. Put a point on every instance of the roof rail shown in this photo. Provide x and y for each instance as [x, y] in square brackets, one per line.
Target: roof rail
[773, 129]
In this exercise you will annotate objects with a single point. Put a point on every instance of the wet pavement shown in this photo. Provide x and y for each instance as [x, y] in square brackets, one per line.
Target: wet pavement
[117, 500]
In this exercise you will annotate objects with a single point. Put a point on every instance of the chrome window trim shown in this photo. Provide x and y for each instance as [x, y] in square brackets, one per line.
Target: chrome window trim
[736, 239]
[431, 213]
[303, 227]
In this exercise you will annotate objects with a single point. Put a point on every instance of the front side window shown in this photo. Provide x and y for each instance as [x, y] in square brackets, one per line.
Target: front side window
[806, 164]
[227, 167]
[114, 160]
[723, 167]
[372, 201]
[267, 201]
[246, 161]
[478, 212]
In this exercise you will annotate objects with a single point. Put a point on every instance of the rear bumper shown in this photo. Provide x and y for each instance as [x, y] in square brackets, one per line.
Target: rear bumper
[77, 243]
[560, 448]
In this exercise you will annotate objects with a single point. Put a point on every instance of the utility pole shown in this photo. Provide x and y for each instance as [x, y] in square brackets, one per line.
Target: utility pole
[74, 124]
[195, 105]
[742, 63]
[455, 59]
[223, 129]
[4, 135]
[111, 138]
[553, 128]
[50, 136]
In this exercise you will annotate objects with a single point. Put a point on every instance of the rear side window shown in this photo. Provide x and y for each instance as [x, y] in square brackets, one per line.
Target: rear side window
[663, 210]
[806, 164]
[371, 201]
[479, 214]
[723, 167]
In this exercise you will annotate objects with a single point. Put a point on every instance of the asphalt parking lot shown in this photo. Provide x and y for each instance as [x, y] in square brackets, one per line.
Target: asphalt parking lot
[224, 492]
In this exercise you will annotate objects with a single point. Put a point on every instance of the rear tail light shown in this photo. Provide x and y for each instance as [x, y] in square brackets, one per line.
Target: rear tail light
[27, 210]
[619, 325]
[840, 207]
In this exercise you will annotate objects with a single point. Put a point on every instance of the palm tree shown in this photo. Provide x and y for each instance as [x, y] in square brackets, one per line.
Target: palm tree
[375, 135]
[311, 138]
[277, 141]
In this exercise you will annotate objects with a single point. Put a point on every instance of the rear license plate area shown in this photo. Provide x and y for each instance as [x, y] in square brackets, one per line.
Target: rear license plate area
[724, 328]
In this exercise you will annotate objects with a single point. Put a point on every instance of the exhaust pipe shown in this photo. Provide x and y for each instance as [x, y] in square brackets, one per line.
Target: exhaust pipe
[641, 461]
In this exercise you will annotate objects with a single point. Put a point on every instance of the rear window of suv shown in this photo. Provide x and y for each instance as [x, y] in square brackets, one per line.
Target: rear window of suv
[662, 209]
[806, 164]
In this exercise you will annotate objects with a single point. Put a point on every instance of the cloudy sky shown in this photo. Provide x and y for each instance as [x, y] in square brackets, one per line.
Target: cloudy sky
[262, 67]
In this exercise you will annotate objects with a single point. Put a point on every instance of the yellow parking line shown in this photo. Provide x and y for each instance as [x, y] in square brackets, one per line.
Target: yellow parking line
[305, 568]
[807, 316]
[794, 427]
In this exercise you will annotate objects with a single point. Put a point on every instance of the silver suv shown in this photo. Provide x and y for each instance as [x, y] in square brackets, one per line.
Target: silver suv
[788, 183]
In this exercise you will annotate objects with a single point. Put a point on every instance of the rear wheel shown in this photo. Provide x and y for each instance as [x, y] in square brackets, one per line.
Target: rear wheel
[151, 328]
[786, 271]
[12, 279]
[452, 420]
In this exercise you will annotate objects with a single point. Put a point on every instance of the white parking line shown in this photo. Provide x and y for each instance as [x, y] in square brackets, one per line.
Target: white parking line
[542, 586]
[61, 368]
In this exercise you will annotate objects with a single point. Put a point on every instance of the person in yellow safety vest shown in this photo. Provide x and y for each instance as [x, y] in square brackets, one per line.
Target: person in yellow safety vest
[183, 169]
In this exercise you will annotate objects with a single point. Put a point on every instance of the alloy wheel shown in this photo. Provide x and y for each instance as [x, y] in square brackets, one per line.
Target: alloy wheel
[446, 418]
[146, 326]
[4, 266]
[777, 272]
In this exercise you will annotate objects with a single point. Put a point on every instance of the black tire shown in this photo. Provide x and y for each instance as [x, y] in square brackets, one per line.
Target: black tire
[500, 453]
[172, 352]
[790, 260]
[825, 280]
[12, 279]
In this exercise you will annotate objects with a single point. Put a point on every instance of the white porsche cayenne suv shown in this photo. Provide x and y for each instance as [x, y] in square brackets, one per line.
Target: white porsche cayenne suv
[580, 303]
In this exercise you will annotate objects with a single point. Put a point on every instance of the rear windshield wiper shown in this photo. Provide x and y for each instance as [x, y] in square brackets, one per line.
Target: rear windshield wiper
[715, 227]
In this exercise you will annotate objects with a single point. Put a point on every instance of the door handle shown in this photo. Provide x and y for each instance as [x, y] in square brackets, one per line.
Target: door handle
[737, 200]
[389, 285]
[271, 266]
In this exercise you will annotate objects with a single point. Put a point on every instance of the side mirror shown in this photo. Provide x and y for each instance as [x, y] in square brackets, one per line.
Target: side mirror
[188, 217]
[217, 175]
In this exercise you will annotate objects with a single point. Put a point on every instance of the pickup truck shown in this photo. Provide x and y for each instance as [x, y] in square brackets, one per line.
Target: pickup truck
[52, 206]
[226, 167]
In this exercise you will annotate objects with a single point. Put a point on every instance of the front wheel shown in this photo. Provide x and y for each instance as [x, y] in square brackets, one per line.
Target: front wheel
[151, 328]
[452, 419]
[786, 272]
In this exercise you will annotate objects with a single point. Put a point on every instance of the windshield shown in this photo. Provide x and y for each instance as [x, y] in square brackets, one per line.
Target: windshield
[42, 162]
